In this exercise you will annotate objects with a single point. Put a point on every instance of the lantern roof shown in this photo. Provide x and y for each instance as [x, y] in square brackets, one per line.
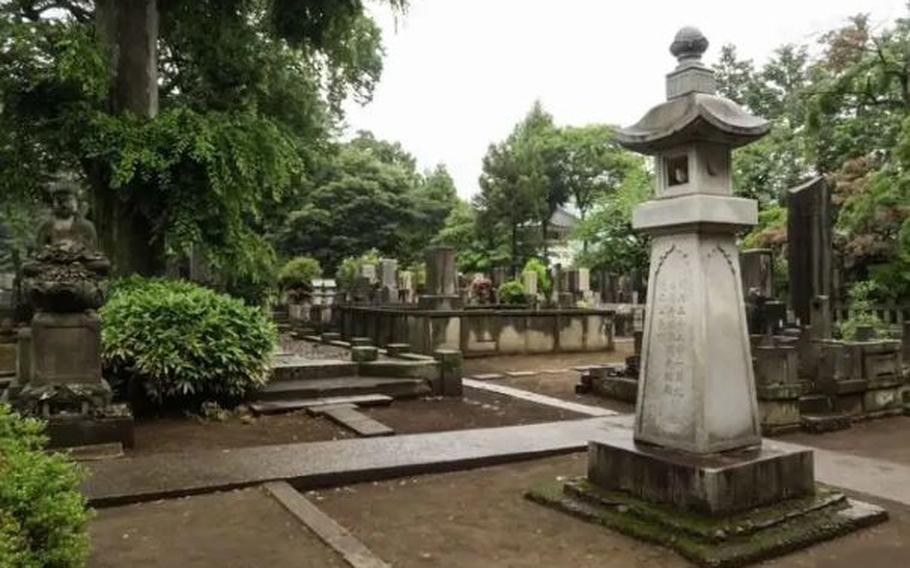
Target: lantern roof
[693, 111]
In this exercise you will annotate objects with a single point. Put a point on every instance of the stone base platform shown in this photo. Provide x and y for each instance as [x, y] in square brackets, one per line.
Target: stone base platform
[713, 541]
[716, 484]
[68, 432]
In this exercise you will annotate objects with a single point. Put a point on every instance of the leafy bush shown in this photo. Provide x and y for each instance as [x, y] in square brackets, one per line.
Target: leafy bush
[185, 341]
[512, 293]
[299, 273]
[544, 286]
[350, 267]
[862, 296]
[42, 514]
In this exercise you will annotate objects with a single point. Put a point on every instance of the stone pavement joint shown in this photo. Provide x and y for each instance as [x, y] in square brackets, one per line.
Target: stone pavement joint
[354, 552]
[540, 398]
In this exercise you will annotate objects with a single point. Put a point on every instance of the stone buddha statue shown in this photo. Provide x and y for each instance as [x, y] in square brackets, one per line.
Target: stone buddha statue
[67, 225]
[67, 272]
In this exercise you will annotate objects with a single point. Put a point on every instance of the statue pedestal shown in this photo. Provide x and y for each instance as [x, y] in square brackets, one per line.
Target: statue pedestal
[66, 349]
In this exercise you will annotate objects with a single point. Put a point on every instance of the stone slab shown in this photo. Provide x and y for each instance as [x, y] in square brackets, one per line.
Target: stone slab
[540, 399]
[336, 463]
[825, 422]
[723, 542]
[346, 415]
[95, 452]
[487, 377]
[715, 484]
[67, 433]
[618, 388]
[297, 367]
[519, 374]
[354, 552]
[345, 386]
[279, 406]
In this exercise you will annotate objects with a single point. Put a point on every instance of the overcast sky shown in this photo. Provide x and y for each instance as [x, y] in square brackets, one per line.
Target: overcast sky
[460, 73]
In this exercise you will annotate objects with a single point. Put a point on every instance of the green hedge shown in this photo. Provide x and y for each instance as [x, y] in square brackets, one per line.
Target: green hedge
[299, 272]
[512, 293]
[43, 516]
[185, 341]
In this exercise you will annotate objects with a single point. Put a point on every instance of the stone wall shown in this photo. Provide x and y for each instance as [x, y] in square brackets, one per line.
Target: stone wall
[478, 332]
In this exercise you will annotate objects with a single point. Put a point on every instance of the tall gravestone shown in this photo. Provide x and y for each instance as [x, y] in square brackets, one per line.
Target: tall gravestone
[388, 280]
[696, 449]
[442, 287]
[809, 245]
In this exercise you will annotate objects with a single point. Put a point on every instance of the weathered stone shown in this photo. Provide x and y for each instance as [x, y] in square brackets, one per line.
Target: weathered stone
[364, 353]
[809, 237]
[779, 415]
[450, 371]
[397, 349]
[715, 484]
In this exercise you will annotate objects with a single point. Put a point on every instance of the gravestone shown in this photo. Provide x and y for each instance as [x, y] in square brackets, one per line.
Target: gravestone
[758, 272]
[406, 286]
[809, 235]
[442, 291]
[388, 281]
[368, 271]
[696, 450]
[529, 281]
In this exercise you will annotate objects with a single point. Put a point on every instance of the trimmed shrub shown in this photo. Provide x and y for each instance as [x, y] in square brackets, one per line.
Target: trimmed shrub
[543, 276]
[184, 341]
[512, 293]
[43, 516]
[299, 273]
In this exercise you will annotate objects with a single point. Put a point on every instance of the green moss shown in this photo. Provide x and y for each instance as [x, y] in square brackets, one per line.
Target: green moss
[708, 541]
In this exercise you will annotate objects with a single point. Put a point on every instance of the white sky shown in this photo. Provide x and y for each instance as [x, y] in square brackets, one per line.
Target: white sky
[460, 73]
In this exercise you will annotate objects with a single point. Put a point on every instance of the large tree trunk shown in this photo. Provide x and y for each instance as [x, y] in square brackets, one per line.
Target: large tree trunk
[129, 30]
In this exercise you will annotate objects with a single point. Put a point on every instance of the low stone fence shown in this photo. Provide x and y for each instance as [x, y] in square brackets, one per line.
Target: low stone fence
[478, 331]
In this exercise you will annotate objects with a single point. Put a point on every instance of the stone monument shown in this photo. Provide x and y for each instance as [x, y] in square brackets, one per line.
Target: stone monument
[442, 284]
[388, 280]
[809, 233]
[59, 375]
[694, 472]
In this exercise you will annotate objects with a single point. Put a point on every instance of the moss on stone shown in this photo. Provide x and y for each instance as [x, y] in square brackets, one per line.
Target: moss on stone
[715, 541]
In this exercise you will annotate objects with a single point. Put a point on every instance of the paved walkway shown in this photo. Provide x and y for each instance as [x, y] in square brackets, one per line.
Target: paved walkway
[585, 409]
[322, 464]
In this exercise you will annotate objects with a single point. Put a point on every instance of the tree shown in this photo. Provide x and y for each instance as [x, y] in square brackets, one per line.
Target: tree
[432, 201]
[189, 118]
[478, 250]
[359, 201]
[615, 247]
[519, 186]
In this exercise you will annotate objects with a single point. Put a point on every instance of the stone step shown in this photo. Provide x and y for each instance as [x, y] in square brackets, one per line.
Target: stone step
[296, 368]
[825, 422]
[815, 404]
[344, 386]
[280, 406]
[347, 415]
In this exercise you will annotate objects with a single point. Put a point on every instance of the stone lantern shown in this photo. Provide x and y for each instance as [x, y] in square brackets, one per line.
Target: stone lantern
[696, 449]
[696, 392]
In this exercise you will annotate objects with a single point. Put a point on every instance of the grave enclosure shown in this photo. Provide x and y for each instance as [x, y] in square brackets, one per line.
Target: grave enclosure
[441, 320]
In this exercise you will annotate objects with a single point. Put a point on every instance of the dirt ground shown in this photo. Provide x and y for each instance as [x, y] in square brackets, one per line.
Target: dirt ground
[475, 410]
[559, 385]
[479, 518]
[240, 529]
[884, 439]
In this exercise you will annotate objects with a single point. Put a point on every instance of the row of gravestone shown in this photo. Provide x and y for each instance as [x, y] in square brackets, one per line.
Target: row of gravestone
[383, 283]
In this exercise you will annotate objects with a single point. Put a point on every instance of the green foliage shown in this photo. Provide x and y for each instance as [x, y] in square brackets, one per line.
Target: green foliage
[369, 195]
[43, 516]
[512, 293]
[185, 341]
[544, 285]
[615, 247]
[249, 94]
[862, 297]
[350, 267]
[299, 273]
